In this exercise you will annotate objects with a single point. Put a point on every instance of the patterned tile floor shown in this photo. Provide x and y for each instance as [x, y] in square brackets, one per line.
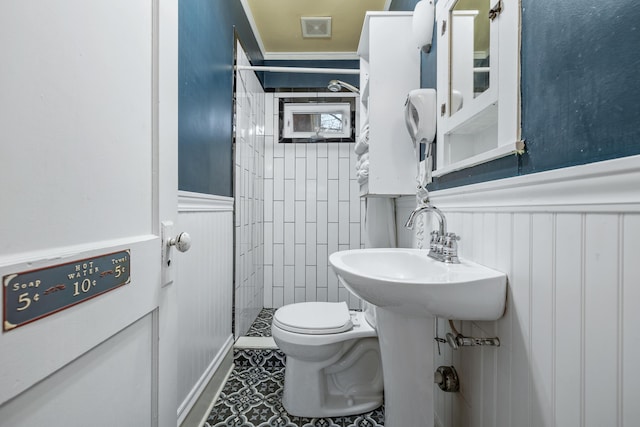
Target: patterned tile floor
[261, 327]
[252, 396]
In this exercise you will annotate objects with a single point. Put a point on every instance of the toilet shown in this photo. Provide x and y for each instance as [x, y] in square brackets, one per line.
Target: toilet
[333, 363]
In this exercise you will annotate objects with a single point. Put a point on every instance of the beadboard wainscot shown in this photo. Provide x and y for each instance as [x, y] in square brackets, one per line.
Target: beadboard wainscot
[568, 240]
[205, 294]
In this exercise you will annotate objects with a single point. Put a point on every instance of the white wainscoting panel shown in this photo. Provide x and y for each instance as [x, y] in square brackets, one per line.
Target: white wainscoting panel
[629, 318]
[570, 340]
[205, 276]
[249, 196]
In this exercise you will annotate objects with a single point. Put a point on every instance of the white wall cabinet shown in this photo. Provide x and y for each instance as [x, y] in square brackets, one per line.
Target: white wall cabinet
[477, 75]
[389, 69]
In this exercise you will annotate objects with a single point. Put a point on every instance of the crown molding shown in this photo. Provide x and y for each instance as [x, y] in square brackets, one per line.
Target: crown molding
[252, 24]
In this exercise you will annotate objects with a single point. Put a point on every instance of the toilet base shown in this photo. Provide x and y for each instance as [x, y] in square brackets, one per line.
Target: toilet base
[349, 384]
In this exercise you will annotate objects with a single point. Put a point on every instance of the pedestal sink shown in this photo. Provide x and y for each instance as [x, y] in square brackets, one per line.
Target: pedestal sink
[409, 290]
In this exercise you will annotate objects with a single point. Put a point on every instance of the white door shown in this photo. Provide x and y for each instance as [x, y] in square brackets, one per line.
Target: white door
[88, 171]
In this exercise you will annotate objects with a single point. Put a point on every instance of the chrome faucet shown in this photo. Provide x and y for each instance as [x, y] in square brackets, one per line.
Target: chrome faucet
[426, 206]
[443, 245]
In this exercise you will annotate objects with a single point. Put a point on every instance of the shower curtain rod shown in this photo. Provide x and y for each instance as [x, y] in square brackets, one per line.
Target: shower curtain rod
[298, 69]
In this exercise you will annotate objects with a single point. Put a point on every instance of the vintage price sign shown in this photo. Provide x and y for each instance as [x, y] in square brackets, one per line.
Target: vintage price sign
[32, 295]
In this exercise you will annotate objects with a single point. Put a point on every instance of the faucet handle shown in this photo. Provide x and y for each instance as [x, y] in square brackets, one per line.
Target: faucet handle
[450, 248]
[433, 240]
[450, 241]
[440, 242]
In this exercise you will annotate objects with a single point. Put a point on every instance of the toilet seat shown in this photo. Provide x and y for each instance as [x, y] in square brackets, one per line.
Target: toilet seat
[314, 318]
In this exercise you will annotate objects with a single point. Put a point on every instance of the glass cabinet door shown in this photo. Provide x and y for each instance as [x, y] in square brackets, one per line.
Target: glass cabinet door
[470, 54]
[477, 82]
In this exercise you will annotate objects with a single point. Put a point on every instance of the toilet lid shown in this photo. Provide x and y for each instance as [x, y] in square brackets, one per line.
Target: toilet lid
[314, 318]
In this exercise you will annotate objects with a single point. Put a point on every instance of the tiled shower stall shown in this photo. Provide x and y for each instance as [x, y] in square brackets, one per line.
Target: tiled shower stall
[248, 191]
[312, 208]
[296, 203]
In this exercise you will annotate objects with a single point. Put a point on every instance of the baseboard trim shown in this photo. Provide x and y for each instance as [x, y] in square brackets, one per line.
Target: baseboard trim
[205, 381]
[219, 385]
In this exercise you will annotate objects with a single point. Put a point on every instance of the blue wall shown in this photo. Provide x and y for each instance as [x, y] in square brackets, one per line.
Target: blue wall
[580, 82]
[580, 87]
[206, 54]
[205, 73]
[315, 81]
[580, 90]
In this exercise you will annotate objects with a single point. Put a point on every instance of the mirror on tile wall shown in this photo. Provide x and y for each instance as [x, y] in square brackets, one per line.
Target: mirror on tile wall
[470, 47]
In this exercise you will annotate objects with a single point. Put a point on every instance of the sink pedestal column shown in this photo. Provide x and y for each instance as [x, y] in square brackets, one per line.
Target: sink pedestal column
[406, 349]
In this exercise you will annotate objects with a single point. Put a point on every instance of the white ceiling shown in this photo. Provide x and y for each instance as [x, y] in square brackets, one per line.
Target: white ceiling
[278, 30]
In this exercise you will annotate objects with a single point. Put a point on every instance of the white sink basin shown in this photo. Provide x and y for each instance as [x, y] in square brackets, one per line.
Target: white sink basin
[408, 281]
[409, 290]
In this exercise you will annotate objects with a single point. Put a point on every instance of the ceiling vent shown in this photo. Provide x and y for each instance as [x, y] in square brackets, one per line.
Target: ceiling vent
[316, 27]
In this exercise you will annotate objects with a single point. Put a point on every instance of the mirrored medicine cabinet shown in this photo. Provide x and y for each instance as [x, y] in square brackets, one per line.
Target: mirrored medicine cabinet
[478, 82]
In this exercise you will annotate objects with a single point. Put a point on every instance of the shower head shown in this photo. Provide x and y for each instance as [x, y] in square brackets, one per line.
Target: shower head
[336, 85]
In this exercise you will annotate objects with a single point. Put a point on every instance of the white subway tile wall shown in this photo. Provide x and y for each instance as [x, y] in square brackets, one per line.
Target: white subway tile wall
[249, 194]
[312, 208]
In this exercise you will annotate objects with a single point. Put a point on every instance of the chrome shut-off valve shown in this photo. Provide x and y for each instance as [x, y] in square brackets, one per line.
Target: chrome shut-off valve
[460, 340]
[457, 340]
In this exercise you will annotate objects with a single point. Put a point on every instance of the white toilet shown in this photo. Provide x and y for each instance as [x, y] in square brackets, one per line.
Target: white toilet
[333, 359]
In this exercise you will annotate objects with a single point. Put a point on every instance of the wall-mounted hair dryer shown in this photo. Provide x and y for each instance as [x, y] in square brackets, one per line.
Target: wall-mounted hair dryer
[420, 116]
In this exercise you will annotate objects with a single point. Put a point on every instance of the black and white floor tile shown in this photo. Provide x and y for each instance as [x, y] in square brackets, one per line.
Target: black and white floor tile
[252, 396]
[261, 327]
